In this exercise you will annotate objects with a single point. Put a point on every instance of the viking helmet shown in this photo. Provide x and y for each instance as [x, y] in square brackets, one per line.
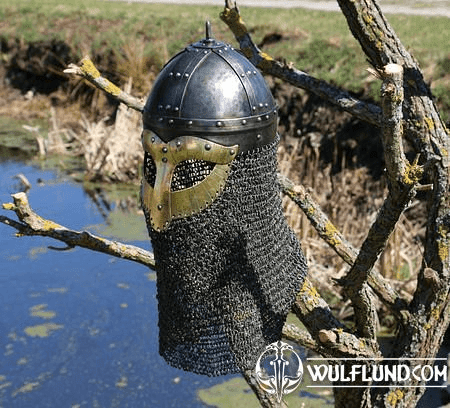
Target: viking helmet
[208, 104]
[228, 266]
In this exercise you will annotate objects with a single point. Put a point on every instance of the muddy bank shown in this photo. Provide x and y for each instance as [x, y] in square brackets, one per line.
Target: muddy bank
[34, 82]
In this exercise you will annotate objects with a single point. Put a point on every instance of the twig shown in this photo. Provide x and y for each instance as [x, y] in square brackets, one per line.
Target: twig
[88, 71]
[365, 111]
[31, 224]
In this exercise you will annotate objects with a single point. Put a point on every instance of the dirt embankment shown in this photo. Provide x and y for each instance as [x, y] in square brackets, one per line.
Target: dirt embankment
[33, 82]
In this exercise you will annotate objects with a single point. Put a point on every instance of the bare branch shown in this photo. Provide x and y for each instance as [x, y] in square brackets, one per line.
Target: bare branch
[32, 224]
[330, 234]
[88, 71]
[363, 110]
[301, 337]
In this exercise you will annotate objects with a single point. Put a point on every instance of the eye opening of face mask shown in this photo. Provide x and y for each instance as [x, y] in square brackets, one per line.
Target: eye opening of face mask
[189, 173]
[186, 174]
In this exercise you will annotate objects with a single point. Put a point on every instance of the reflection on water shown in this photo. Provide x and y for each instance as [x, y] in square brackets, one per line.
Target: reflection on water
[79, 328]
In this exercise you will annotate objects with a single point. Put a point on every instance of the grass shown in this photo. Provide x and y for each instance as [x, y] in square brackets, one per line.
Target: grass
[143, 36]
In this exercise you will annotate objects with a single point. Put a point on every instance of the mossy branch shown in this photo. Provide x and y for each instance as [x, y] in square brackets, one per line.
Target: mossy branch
[32, 224]
[365, 111]
[88, 71]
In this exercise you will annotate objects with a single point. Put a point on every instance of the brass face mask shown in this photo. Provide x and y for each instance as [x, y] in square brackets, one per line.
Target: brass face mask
[189, 174]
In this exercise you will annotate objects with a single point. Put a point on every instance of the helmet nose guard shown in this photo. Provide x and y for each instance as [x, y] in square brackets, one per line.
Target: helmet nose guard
[210, 90]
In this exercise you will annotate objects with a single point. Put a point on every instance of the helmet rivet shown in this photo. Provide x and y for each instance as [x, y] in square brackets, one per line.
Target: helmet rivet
[232, 152]
[219, 123]
[267, 117]
[207, 146]
[254, 108]
[244, 122]
[178, 75]
[176, 109]
[190, 123]
[186, 75]
[178, 143]
[258, 136]
[160, 107]
[168, 107]
[259, 119]
[159, 207]
[164, 159]
[260, 105]
[164, 149]
[153, 139]
[254, 72]
[171, 74]
[243, 75]
[266, 105]
[171, 121]
[160, 119]
[249, 72]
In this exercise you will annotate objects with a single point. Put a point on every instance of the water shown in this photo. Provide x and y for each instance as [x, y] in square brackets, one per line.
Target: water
[78, 328]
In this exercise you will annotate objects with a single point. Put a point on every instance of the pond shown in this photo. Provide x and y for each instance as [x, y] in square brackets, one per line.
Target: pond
[79, 328]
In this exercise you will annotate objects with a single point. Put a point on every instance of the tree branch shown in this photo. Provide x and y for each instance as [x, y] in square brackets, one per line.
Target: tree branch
[330, 234]
[32, 224]
[402, 180]
[88, 71]
[362, 110]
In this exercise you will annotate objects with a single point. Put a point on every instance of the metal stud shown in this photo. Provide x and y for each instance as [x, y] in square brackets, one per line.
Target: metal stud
[232, 152]
[186, 75]
[267, 117]
[176, 109]
[258, 136]
[164, 159]
[160, 119]
[153, 139]
[159, 207]
[164, 149]
[260, 105]
[178, 143]
[244, 122]
[160, 107]
[168, 107]
[253, 107]
[171, 74]
[219, 124]
[207, 146]
[178, 75]
[254, 72]
[190, 123]
[170, 121]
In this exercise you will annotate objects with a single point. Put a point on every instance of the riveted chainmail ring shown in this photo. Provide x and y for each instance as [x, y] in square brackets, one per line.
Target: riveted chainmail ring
[226, 277]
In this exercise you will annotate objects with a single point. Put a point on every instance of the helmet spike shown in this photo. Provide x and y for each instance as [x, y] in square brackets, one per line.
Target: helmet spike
[208, 30]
